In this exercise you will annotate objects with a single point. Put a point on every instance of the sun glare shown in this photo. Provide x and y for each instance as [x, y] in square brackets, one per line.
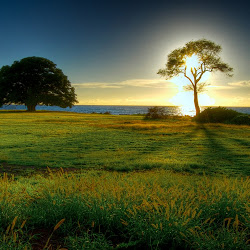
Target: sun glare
[192, 62]
[185, 99]
[186, 102]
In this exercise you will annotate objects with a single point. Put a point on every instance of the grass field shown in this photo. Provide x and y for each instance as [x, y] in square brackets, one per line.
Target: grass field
[122, 143]
[189, 190]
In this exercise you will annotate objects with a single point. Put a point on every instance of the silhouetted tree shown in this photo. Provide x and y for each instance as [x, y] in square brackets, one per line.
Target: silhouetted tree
[208, 61]
[35, 81]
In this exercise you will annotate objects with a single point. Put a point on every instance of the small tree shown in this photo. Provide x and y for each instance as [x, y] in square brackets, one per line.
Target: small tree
[35, 81]
[203, 57]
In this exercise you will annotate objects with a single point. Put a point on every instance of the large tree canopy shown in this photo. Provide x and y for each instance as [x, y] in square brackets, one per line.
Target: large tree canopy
[206, 52]
[35, 81]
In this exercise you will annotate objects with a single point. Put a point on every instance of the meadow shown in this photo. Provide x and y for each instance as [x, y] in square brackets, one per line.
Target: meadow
[91, 181]
[122, 143]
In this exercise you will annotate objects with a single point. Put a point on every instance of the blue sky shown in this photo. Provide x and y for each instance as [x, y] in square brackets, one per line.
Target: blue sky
[112, 50]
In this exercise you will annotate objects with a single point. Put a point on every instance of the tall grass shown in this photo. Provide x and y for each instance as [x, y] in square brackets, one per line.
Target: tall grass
[151, 209]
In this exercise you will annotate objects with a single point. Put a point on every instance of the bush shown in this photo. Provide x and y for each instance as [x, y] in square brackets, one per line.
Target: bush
[241, 120]
[219, 114]
[156, 113]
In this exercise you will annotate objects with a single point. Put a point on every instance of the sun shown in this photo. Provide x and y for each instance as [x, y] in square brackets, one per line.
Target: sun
[192, 62]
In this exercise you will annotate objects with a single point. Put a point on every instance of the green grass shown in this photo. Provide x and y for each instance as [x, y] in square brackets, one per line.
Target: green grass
[189, 189]
[137, 210]
[122, 143]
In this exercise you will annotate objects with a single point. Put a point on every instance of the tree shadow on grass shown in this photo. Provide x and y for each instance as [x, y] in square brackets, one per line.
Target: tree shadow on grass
[222, 157]
[242, 142]
[205, 151]
[173, 152]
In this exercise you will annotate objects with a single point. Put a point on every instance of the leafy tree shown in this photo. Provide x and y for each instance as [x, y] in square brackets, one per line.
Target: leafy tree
[206, 52]
[35, 81]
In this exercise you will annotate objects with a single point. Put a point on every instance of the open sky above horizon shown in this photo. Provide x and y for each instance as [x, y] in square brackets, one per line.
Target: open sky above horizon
[111, 50]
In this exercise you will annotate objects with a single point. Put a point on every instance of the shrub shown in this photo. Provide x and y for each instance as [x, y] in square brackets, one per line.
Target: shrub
[241, 120]
[219, 114]
[156, 113]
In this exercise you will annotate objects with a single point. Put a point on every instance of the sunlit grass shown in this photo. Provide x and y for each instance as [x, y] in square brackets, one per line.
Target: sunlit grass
[152, 209]
[124, 143]
[189, 190]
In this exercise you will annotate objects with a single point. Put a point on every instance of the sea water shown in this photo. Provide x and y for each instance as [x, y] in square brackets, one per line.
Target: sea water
[119, 110]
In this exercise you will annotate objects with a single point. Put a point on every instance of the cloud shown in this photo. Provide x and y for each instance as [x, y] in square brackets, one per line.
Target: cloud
[146, 83]
[95, 85]
[231, 85]
[213, 87]
[240, 84]
[142, 83]
[141, 101]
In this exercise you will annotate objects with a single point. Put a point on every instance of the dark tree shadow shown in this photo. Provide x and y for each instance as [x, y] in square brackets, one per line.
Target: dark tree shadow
[208, 151]
[241, 142]
[223, 156]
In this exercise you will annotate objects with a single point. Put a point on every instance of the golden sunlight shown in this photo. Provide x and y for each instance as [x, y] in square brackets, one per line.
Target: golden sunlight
[186, 101]
[192, 62]
[181, 81]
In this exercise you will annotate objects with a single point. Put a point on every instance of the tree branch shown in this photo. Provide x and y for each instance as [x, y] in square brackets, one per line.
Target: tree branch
[187, 76]
[200, 76]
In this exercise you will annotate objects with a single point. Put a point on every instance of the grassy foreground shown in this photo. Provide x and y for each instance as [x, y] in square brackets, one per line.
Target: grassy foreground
[140, 210]
[190, 189]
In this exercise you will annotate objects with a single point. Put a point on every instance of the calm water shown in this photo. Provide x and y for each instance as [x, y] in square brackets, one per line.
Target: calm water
[119, 110]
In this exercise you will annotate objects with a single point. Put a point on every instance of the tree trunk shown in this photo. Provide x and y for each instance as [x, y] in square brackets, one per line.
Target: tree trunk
[31, 108]
[196, 103]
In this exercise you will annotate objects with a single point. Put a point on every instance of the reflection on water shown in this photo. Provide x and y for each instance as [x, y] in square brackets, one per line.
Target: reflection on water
[186, 110]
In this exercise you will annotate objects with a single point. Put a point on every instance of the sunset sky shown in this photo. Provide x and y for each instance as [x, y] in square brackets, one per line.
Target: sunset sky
[111, 50]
